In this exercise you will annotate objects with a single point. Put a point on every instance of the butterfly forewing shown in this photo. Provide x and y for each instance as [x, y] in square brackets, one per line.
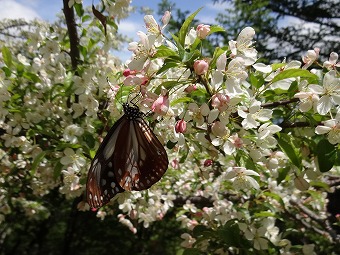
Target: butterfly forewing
[130, 158]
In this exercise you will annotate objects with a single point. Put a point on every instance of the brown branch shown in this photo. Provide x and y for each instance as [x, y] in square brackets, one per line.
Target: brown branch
[73, 34]
[279, 103]
[294, 125]
[330, 233]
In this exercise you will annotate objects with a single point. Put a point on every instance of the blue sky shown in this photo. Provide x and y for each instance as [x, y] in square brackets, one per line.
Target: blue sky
[48, 9]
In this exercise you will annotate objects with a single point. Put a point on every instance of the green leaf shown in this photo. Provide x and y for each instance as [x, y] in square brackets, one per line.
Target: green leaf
[230, 234]
[170, 145]
[89, 139]
[79, 9]
[294, 73]
[265, 214]
[185, 27]
[86, 18]
[215, 29]
[167, 66]
[256, 80]
[277, 66]
[32, 77]
[326, 154]
[167, 84]
[201, 230]
[288, 147]
[276, 197]
[163, 52]
[7, 71]
[192, 251]
[7, 56]
[190, 56]
[57, 170]
[218, 52]
[185, 155]
[282, 174]
[181, 100]
[37, 160]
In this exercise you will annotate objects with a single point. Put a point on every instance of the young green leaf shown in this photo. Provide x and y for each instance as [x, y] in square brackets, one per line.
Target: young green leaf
[185, 27]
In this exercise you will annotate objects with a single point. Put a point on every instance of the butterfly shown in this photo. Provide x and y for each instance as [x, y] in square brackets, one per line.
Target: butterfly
[129, 158]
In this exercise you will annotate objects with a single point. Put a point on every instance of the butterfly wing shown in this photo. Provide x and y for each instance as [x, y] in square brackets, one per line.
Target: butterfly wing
[129, 158]
[143, 160]
[101, 181]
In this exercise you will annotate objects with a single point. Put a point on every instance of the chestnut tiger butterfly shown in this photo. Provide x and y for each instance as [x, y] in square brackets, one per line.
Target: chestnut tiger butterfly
[129, 158]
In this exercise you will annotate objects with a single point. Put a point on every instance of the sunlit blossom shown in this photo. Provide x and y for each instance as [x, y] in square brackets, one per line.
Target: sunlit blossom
[254, 115]
[142, 50]
[241, 178]
[329, 92]
[71, 178]
[310, 57]
[72, 132]
[332, 62]
[331, 128]
[75, 159]
[243, 48]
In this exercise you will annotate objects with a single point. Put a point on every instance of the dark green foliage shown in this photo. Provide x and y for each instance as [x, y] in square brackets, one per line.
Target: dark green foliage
[69, 231]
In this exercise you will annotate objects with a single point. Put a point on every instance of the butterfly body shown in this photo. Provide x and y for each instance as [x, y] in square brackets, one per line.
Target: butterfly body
[129, 158]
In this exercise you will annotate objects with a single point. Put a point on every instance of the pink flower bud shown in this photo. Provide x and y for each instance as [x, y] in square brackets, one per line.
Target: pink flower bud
[166, 18]
[126, 72]
[208, 162]
[161, 105]
[175, 164]
[133, 214]
[202, 31]
[181, 126]
[190, 88]
[201, 67]
[220, 101]
[145, 80]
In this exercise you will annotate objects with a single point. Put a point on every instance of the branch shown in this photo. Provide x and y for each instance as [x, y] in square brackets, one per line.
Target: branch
[73, 35]
[278, 103]
[331, 234]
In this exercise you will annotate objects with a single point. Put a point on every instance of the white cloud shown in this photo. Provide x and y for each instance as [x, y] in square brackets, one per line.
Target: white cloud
[11, 9]
[130, 28]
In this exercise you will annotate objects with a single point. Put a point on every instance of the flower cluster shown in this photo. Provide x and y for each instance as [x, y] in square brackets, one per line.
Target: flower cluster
[248, 142]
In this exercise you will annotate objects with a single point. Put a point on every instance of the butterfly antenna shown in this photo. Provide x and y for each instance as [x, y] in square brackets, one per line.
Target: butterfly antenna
[135, 99]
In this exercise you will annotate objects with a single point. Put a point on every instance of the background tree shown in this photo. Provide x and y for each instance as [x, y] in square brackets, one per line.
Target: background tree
[285, 28]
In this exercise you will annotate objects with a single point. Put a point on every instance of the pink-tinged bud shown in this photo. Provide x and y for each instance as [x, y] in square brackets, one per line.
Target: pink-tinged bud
[181, 126]
[161, 105]
[310, 57]
[133, 214]
[220, 101]
[208, 162]
[219, 129]
[190, 88]
[145, 80]
[126, 72]
[201, 67]
[166, 18]
[175, 164]
[202, 31]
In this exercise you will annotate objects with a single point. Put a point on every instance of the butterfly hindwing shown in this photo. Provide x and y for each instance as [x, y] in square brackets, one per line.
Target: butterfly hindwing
[143, 161]
[101, 182]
